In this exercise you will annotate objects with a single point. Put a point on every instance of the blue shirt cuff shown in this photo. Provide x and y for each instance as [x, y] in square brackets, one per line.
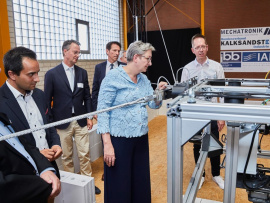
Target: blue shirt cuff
[48, 169]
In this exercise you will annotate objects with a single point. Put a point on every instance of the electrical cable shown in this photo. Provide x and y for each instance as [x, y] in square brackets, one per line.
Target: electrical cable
[182, 68]
[259, 147]
[164, 42]
[266, 76]
[248, 157]
[129, 8]
[163, 78]
[223, 138]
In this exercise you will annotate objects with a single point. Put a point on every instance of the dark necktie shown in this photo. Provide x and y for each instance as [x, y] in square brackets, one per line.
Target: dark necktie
[111, 66]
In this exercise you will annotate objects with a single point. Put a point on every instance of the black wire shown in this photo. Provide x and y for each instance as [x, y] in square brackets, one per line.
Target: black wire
[259, 147]
[223, 138]
[248, 157]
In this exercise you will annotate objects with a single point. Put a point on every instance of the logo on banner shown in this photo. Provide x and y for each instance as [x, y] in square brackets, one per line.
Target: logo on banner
[256, 56]
[230, 56]
[231, 59]
[249, 57]
[267, 31]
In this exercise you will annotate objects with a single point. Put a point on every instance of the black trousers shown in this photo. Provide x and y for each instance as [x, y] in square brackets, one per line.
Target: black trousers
[128, 181]
[215, 161]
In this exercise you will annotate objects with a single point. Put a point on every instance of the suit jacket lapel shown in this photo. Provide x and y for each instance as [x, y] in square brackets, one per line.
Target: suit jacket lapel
[76, 79]
[13, 150]
[63, 75]
[103, 71]
[14, 107]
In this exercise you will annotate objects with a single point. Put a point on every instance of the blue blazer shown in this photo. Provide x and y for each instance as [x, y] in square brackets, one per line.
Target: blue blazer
[100, 72]
[10, 106]
[17, 172]
[58, 91]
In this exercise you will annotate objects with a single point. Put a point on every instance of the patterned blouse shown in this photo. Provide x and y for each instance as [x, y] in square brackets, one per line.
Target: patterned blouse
[118, 88]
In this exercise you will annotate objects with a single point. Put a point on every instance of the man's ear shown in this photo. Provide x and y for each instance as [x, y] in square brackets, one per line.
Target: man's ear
[192, 50]
[65, 51]
[12, 75]
[107, 51]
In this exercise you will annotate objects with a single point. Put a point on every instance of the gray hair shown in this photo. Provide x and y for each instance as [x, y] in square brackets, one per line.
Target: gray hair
[139, 48]
[121, 54]
[67, 43]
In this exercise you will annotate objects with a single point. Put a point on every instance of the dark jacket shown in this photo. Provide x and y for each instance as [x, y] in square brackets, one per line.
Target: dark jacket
[57, 89]
[10, 106]
[18, 179]
[100, 72]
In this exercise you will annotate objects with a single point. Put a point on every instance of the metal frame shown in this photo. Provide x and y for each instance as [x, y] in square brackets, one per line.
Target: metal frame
[182, 115]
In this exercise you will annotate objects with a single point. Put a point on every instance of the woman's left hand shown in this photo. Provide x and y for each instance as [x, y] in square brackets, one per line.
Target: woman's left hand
[162, 85]
[109, 155]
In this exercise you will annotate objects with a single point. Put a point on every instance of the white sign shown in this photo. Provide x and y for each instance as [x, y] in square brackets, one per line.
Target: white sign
[245, 61]
[245, 38]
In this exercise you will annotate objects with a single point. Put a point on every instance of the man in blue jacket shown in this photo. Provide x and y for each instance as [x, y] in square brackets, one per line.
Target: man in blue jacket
[24, 169]
[66, 87]
[24, 104]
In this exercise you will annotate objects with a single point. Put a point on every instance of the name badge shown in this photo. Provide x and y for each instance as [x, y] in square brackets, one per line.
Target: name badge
[80, 85]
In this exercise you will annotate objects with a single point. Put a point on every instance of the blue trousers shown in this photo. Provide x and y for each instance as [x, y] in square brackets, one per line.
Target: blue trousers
[128, 181]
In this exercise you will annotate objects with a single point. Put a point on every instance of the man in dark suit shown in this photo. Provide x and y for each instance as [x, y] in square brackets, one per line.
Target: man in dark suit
[66, 85]
[25, 174]
[25, 105]
[112, 50]
[24, 169]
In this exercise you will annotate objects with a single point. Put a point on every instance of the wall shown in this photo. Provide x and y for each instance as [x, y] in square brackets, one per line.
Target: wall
[218, 15]
[88, 65]
[45, 65]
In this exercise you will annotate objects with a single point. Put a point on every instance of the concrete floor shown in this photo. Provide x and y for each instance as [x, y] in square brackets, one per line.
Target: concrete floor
[158, 167]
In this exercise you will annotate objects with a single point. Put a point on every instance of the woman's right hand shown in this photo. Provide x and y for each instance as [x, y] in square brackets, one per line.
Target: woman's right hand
[109, 156]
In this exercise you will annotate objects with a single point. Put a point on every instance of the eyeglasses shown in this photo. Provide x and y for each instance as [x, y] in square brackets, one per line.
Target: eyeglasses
[77, 53]
[148, 59]
[203, 47]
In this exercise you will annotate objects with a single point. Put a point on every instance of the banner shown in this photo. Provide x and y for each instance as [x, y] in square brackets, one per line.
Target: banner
[245, 61]
[245, 38]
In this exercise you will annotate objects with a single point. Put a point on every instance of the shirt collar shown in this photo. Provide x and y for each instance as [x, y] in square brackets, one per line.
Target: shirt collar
[66, 67]
[198, 64]
[115, 64]
[125, 75]
[16, 93]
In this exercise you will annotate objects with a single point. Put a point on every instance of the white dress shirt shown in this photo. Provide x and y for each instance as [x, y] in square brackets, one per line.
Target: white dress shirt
[209, 69]
[32, 115]
[108, 66]
[68, 71]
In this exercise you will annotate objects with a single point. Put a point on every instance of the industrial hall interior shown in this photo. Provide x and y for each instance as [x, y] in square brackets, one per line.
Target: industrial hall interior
[134, 101]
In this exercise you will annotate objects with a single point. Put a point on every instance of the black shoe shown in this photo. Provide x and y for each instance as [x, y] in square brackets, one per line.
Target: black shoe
[102, 178]
[97, 190]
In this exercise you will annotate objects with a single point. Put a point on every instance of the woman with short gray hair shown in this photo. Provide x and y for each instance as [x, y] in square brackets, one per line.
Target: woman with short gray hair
[125, 130]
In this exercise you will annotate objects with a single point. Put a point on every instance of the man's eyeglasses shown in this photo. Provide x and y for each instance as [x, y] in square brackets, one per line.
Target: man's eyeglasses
[77, 53]
[148, 59]
[203, 47]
